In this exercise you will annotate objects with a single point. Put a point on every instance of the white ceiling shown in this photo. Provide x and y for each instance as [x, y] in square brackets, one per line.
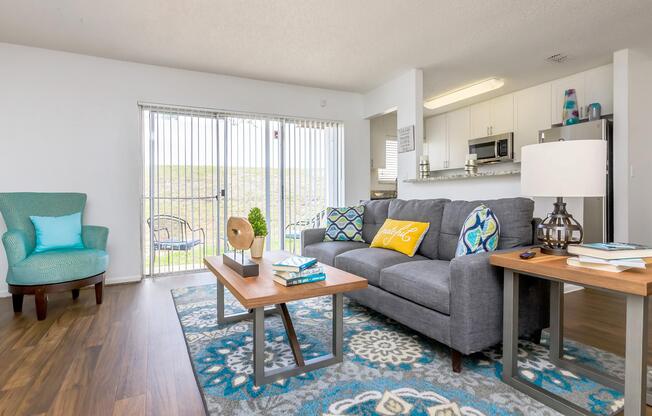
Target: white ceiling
[352, 45]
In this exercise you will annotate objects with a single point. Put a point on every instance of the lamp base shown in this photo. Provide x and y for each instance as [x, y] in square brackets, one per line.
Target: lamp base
[554, 251]
[558, 230]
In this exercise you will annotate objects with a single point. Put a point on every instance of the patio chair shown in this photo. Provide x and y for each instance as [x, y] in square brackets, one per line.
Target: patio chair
[173, 233]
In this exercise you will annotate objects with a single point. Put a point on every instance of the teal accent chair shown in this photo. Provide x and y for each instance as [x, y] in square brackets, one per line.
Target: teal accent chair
[52, 271]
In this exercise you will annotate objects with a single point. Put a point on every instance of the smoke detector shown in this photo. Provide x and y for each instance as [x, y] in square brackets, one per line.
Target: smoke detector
[557, 58]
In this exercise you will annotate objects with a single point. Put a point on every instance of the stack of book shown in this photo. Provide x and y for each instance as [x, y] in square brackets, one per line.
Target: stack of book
[609, 257]
[298, 270]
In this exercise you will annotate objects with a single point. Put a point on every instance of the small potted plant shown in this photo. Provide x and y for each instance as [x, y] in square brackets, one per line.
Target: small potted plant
[259, 225]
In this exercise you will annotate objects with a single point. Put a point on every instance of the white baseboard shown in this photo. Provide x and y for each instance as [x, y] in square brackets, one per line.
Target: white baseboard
[120, 280]
[4, 294]
[568, 288]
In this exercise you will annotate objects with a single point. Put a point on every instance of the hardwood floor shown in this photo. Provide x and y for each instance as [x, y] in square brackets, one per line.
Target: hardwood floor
[128, 357]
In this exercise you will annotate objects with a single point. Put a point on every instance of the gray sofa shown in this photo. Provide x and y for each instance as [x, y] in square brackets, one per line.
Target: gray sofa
[456, 301]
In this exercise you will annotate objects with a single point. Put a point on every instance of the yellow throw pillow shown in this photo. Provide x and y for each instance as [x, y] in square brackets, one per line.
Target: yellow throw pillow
[401, 236]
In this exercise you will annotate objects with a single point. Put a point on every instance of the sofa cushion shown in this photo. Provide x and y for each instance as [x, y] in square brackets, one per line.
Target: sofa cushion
[375, 214]
[424, 210]
[344, 224]
[58, 266]
[424, 282]
[368, 262]
[326, 251]
[514, 215]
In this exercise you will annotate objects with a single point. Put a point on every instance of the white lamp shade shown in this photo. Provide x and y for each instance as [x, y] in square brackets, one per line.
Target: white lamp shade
[575, 168]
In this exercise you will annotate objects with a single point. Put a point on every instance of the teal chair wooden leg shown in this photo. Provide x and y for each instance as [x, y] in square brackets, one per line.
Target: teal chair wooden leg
[75, 294]
[18, 302]
[41, 300]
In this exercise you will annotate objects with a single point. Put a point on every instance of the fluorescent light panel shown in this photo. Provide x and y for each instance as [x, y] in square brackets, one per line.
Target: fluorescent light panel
[464, 93]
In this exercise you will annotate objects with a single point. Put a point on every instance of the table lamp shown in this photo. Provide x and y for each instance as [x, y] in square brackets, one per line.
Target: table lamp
[575, 168]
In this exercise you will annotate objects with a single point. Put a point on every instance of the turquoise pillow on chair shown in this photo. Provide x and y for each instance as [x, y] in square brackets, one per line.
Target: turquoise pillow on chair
[53, 233]
[480, 232]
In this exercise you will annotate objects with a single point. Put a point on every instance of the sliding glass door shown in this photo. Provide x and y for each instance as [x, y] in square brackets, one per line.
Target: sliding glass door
[202, 167]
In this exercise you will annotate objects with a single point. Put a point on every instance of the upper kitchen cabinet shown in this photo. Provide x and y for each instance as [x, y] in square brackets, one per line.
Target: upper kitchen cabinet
[502, 114]
[491, 117]
[447, 139]
[480, 119]
[436, 132]
[531, 114]
[457, 128]
[599, 84]
[592, 86]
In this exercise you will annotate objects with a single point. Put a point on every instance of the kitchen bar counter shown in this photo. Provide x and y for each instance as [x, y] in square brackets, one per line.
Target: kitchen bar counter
[438, 177]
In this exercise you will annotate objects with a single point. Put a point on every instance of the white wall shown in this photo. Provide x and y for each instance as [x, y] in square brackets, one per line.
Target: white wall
[405, 95]
[70, 123]
[633, 145]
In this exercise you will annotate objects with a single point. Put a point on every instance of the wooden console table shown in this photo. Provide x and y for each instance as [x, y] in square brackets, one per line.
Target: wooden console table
[635, 285]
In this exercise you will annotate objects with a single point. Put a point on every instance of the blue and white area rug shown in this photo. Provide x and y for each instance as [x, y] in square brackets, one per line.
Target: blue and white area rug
[388, 369]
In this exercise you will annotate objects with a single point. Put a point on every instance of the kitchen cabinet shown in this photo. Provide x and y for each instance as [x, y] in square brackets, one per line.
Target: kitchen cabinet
[457, 137]
[531, 114]
[447, 139]
[495, 116]
[436, 132]
[480, 119]
[599, 85]
[502, 114]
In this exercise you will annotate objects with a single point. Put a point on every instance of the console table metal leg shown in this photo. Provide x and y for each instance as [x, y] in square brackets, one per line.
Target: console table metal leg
[556, 321]
[510, 326]
[636, 355]
[510, 352]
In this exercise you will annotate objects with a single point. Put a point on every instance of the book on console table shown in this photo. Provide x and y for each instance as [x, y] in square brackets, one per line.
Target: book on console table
[611, 251]
[605, 265]
[294, 264]
[301, 280]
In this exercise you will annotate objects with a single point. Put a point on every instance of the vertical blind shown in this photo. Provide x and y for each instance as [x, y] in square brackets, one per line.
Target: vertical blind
[390, 171]
[202, 167]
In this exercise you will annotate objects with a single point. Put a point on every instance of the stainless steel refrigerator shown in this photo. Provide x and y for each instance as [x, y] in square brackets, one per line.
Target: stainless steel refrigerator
[598, 221]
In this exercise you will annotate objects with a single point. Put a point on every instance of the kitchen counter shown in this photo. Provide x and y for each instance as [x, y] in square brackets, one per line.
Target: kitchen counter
[463, 175]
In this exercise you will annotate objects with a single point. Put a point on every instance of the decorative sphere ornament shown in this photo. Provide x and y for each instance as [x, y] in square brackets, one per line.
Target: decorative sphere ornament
[240, 233]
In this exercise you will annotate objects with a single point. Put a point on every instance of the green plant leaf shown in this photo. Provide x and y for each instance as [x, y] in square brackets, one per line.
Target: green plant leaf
[258, 222]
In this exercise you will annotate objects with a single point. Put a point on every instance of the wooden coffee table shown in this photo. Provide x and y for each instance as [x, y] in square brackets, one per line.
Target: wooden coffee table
[258, 292]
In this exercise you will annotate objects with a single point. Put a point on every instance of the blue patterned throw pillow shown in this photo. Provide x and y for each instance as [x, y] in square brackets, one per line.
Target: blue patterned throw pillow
[344, 224]
[479, 233]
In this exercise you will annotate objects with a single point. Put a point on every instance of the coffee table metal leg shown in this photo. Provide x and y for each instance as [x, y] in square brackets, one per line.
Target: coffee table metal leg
[259, 346]
[338, 326]
[636, 355]
[292, 335]
[236, 317]
[336, 356]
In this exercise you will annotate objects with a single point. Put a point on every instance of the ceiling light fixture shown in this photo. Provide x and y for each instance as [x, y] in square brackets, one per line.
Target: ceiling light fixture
[463, 93]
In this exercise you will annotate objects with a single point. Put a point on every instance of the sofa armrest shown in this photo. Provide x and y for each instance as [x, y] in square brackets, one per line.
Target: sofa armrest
[16, 246]
[311, 236]
[95, 236]
[476, 310]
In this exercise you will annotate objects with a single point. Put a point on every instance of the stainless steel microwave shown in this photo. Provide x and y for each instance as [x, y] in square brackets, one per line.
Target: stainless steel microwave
[492, 149]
